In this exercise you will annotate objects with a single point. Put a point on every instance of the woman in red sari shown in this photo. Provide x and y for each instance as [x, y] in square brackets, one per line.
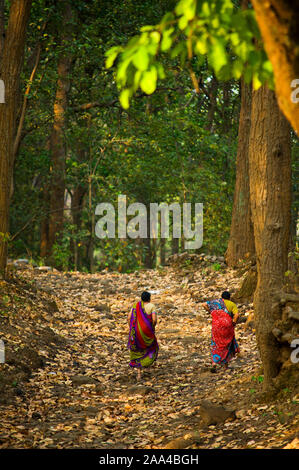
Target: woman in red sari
[224, 315]
[142, 341]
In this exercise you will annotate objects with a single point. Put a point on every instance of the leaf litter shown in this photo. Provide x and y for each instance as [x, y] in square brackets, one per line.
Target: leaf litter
[78, 390]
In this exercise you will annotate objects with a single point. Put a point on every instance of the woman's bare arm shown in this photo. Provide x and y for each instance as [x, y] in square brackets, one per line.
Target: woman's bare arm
[235, 318]
[129, 318]
[154, 318]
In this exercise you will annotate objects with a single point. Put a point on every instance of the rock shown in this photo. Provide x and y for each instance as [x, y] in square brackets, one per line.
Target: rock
[83, 380]
[287, 338]
[179, 443]
[59, 390]
[44, 268]
[277, 333]
[139, 390]
[211, 414]
[25, 359]
[52, 306]
[21, 261]
[250, 321]
[293, 315]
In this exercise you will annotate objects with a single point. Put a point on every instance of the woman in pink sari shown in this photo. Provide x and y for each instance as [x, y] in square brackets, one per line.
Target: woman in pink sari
[142, 341]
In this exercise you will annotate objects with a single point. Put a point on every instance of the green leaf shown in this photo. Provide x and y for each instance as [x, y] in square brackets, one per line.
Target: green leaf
[149, 80]
[122, 71]
[111, 56]
[160, 71]
[201, 45]
[237, 69]
[267, 66]
[141, 59]
[217, 55]
[256, 82]
[183, 22]
[124, 98]
[166, 42]
[187, 8]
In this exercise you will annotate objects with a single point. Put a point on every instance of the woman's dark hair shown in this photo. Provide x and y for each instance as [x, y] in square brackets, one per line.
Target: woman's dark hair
[225, 295]
[145, 296]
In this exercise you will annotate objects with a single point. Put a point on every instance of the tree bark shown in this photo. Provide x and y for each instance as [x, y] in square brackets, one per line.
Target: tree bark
[278, 21]
[10, 68]
[57, 140]
[76, 208]
[270, 195]
[175, 246]
[44, 228]
[241, 240]
[212, 104]
[2, 26]
[162, 251]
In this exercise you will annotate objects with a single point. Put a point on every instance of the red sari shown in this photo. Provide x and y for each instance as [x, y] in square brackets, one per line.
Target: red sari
[223, 345]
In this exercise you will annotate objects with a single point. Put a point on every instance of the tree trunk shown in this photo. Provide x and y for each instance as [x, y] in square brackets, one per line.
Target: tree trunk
[162, 251]
[175, 245]
[213, 104]
[270, 195]
[149, 255]
[92, 228]
[57, 140]
[278, 21]
[76, 208]
[226, 112]
[44, 229]
[2, 26]
[241, 240]
[10, 68]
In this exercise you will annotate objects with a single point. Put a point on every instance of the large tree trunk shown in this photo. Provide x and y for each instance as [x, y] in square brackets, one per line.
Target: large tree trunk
[270, 195]
[57, 141]
[241, 241]
[2, 25]
[278, 21]
[12, 55]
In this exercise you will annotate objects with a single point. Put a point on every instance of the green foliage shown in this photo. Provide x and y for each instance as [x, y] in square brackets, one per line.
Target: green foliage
[228, 37]
[158, 148]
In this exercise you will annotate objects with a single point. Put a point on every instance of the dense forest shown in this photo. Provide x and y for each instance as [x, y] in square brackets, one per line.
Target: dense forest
[164, 102]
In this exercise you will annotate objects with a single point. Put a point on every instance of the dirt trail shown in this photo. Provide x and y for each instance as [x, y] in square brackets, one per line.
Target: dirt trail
[87, 396]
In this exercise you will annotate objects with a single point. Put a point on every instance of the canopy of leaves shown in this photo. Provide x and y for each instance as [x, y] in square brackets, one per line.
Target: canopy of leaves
[227, 36]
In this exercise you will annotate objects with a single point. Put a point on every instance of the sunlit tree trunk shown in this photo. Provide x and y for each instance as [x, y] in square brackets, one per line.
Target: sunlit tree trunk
[278, 21]
[11, 62]
[57, 141]
[241, 241]
[270, 195]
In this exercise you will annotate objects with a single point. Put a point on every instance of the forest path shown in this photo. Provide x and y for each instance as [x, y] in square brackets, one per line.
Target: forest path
[87, 396]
